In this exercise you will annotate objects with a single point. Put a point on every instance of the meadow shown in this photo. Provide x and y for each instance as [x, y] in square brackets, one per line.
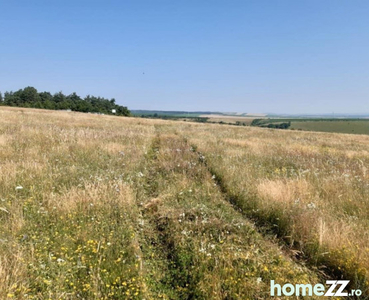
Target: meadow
[105, 207]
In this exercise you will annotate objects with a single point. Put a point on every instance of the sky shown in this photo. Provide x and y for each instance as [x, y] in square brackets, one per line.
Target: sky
[277, 56]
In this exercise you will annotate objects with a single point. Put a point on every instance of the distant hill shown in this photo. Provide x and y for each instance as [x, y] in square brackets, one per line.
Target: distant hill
[172, 113]
[240, 114]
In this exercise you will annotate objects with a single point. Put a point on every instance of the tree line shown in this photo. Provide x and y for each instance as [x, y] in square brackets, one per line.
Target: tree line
[30, 97]
[270, 123]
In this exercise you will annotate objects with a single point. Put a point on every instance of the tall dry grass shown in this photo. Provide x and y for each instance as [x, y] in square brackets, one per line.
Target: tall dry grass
[102, 207]
[66, 199]
[311, 189]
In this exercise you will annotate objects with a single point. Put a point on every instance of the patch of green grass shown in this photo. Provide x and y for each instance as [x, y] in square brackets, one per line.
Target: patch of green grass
[339, 126]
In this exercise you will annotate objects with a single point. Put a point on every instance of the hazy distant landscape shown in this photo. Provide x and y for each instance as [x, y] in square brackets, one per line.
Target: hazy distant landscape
[355, 124]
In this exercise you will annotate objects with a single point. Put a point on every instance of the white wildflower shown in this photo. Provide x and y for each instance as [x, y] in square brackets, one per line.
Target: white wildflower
[311, 205]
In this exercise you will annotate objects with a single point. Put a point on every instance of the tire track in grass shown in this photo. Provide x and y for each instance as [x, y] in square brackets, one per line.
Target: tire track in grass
[268, 230]
[204, 248]
[154, 247]
[168, 265]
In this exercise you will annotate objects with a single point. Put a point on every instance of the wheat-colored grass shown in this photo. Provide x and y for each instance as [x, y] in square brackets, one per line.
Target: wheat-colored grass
[104, 207]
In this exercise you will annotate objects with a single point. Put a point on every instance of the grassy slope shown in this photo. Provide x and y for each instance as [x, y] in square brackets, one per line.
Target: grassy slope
[311, 189]
[123, 208]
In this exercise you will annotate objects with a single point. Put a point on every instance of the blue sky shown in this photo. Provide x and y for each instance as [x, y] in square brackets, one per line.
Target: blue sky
[245, 56]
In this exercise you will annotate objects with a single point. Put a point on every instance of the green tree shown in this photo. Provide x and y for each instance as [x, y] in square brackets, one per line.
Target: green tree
[73, 101]
[59, 97]
[45, 96]
[12, 98]
[29, 95]
[49, 104]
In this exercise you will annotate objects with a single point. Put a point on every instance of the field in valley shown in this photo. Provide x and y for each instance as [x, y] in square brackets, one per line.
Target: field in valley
[337, 125]
[230, 119]
[104, 207]
[358, 126]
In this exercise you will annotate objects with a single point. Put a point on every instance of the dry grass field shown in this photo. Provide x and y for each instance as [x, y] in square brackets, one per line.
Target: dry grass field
[102, 207]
